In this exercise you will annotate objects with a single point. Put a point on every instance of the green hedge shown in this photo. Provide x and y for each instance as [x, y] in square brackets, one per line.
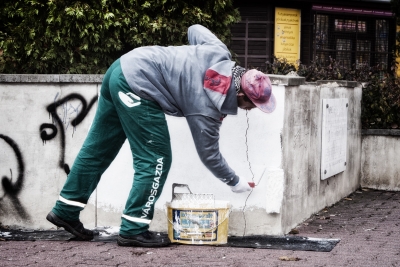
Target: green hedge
[381, 102]
[380, 97]
[61, 36]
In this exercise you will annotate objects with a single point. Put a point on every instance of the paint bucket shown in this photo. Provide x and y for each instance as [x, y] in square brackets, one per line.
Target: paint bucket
[197, 219]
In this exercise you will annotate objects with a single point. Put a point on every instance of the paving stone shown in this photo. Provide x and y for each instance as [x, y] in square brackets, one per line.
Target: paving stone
[367, 226]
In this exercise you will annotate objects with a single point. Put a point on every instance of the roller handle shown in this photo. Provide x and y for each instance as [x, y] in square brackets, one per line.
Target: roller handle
[178, 185]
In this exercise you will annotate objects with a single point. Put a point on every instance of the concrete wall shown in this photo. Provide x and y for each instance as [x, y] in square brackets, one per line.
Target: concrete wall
[380, 167]
[280, 152]
[305, 192]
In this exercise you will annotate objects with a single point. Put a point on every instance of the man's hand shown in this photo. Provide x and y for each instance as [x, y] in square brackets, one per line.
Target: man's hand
[241, 186]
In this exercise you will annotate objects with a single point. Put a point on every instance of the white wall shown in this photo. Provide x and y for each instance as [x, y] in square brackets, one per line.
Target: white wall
[23, 111]
[263, 148]
[305, 192]
[250, 143]
[380, 167]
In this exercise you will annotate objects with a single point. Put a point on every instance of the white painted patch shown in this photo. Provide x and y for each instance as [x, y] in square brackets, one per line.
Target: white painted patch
[5, 234]
[109, 231]
[330, 85]
[274, 190]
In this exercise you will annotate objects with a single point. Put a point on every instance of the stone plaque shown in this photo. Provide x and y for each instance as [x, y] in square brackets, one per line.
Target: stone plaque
[334, 136]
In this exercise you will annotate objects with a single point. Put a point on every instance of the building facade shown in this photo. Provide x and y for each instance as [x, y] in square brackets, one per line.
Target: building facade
[352, 32]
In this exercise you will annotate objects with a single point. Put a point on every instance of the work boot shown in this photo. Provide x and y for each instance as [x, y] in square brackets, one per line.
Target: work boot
[74, 227]
[145, 239]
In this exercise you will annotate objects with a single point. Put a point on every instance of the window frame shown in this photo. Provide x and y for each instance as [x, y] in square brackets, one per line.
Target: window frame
[334, 35]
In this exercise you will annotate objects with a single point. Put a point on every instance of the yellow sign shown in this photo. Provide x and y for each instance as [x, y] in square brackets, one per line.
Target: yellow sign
[287, 34]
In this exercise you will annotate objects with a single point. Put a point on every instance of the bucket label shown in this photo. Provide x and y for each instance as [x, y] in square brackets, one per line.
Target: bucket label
[195, 225]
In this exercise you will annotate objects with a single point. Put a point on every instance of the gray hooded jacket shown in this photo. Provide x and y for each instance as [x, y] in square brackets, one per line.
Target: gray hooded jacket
[193, 81]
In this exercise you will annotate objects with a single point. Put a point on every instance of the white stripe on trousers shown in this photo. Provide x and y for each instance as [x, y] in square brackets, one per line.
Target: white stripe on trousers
[133, 219]
[70, 202]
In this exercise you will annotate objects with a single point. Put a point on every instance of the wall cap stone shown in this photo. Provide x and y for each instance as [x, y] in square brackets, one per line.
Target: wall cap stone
[51, 78]
[288, 80]
[387, 132]
[337, 83]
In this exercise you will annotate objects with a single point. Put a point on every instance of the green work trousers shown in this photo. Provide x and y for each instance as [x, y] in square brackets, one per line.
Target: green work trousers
[121, 115]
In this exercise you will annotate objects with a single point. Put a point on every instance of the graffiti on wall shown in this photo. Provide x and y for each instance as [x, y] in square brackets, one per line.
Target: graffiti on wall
[13, 187]
[49, 131]
[71, 115]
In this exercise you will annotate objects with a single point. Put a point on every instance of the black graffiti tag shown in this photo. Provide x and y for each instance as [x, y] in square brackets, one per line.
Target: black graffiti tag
[13, 188]
[49, 131]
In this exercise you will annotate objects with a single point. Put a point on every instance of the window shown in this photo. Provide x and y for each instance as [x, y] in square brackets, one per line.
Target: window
[347, 25]
[252, 38]
[381, 42]
[343, 52]
[322, 38]
[351, 39]
[363, 52]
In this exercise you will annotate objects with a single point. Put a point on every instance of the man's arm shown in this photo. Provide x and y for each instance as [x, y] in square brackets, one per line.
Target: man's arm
[205, 132]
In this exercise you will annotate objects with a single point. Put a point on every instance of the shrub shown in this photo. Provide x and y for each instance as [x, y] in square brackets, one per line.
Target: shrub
[279, 66]
[48, 36]
[380, 107]
[322, 71]
[381, 102]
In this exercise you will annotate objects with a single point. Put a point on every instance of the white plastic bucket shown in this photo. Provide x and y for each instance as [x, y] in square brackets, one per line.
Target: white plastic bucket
[197, 219]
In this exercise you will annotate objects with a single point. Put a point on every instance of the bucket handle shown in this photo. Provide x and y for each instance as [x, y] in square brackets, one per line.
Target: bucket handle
[228, 213]
[178, 185]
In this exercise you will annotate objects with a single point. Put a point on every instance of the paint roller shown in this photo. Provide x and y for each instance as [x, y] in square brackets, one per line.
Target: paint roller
[253, 184]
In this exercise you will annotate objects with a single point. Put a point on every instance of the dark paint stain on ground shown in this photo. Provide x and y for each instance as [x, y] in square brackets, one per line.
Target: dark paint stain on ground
[260, 242]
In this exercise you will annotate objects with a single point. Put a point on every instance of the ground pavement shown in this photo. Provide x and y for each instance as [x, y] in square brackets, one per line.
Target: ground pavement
[366, 222]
